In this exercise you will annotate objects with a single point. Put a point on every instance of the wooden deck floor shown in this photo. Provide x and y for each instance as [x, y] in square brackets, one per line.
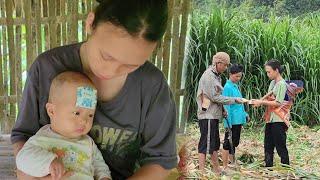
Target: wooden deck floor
[7, 164]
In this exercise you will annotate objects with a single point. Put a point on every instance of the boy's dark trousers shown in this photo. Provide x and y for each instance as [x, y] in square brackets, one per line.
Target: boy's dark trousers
[275, 137]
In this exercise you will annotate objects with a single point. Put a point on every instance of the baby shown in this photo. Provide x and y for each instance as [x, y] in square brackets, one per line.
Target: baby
[64, 146]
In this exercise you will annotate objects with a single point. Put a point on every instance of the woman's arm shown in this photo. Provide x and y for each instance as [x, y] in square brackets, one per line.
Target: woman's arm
[18, 147]
[158, 132]
[270, 103]
[21, 175]
[267, 95]
[279, 97]
[33, 159]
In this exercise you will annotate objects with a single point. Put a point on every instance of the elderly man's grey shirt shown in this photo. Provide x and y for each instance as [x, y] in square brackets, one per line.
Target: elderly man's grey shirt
[210, 86]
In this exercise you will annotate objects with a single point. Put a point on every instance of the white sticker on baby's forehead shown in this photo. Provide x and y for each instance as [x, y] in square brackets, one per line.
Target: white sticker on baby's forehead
[86, 97]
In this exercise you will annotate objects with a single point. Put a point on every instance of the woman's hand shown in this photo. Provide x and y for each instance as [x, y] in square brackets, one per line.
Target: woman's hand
[241, 100]
[256, 102]
[57, 169]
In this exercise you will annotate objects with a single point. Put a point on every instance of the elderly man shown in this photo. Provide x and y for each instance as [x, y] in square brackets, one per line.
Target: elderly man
[210, 109]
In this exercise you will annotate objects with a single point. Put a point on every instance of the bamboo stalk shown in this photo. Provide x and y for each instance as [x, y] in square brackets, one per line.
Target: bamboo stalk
[175, 45]
[69, 13]
[38, 25]
[175, 54]
[46, 26]
[160, 55]
[88, 10]
[12, 58]
[5, 71]
[84, 11]
[184, 27]
[18, 62]
[89, 5]
[63, 24]
[27, 13]
[93, 4]
[154, 56]
[167, 41]
[33, 34]
[2, 91]
[52, 24]
[72, 32]
[58, 29]
[75, 12]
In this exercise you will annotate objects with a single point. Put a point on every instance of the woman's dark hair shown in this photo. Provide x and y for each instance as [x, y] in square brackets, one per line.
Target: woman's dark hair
[235, 68]
[275, 64]
[138, 17]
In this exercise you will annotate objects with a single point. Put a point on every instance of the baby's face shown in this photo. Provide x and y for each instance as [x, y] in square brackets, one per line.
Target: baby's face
[73, 113]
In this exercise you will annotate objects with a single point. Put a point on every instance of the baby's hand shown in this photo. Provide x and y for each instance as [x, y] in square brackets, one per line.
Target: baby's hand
[56, 169]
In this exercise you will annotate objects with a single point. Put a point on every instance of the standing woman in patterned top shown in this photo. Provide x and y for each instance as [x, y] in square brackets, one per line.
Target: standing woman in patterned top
[275, 131]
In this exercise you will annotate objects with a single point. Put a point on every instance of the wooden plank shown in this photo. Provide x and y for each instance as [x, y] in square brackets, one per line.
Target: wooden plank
[43, 20]
[12, 57]
[27, 14]
[8, 98]
[7, 165]
[167, 42]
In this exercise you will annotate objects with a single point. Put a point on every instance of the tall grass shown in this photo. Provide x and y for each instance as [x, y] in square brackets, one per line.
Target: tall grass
[251, 42]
